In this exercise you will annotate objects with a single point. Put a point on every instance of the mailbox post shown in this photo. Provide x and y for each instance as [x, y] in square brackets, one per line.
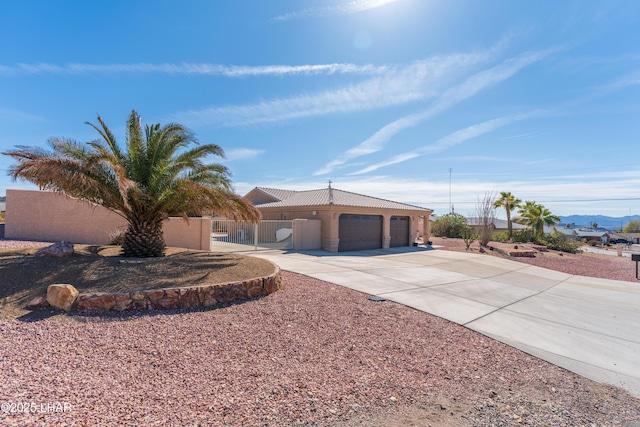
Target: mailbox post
[636, 258]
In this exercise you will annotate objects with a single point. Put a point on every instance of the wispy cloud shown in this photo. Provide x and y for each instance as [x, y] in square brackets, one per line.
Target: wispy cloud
[338, 9]
[195, 69]
[452, 96]
[397, 85]
[8, 115]
[242, 154]
[558, 194]
[445, 143]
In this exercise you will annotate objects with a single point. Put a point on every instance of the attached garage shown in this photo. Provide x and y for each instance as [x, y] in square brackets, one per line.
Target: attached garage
[399, 231]
[349, 221]
[359, 232]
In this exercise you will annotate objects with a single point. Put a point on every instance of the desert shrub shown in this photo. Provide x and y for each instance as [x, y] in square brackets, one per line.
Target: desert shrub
[1, 216]
[524, 236]
[500, 236]
[558, 242]
[632, 227]
[449, 225]
[468, 236]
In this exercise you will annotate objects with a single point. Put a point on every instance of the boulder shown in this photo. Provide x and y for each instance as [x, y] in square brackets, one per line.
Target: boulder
[38, 302]
[62, 296]
[57, 250]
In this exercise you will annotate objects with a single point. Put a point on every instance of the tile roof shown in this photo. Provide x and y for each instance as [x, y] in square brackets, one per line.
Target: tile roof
[324, 197]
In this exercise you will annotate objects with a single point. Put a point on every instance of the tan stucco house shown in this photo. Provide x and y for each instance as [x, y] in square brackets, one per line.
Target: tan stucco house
[350, 221]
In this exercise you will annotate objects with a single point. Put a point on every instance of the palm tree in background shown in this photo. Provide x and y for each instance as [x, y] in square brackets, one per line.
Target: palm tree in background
[536, 217]
[155, 176]
[509, 203]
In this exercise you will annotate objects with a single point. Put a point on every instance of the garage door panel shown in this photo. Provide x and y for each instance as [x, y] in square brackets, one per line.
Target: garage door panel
[359, 232]
[399, 231]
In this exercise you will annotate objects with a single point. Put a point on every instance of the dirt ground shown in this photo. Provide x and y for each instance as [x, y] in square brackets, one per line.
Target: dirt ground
[102, 269]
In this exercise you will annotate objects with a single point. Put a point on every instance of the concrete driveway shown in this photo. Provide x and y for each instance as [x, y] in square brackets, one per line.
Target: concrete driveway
[587, 325]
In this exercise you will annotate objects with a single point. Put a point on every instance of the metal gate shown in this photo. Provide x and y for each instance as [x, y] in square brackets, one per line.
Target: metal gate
[231, 236]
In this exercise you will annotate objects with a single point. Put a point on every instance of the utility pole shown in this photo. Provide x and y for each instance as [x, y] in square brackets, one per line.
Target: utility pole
[450, 205]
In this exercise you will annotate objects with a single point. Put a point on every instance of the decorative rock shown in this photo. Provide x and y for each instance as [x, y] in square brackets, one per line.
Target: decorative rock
[273, 283]
[231, 293]
[57, 250]
[38, 302]
[66, 297]
[122, 302]
[141, 304]
[188, 298]
[96, 302]
[206, 296]
[156, 295]
[255, 288]
[165, 304]
[137, 296]
[62, 296]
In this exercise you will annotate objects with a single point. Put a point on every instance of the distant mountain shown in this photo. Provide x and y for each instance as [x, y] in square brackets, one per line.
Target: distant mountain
[605, 222]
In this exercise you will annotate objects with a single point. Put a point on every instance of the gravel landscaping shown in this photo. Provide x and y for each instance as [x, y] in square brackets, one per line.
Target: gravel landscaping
[583, 264]
[312, 354]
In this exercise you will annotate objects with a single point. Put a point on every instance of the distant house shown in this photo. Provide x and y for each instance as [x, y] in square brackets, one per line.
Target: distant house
[497, 225]
[350, 221]
[591, 236]
[3, 206]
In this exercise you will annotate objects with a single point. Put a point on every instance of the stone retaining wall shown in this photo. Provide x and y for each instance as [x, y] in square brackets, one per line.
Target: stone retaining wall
[191, 297]
[172, 298]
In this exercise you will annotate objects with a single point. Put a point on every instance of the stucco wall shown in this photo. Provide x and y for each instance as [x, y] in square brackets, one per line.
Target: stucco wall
[307, 234]
[330, 216]
[48, 216]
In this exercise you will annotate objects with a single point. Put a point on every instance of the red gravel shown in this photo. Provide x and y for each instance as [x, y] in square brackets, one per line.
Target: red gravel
[584, 264]
[312, 354]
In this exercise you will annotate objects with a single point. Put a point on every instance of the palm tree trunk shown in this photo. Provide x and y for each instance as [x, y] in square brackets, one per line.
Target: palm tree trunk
[143, 239]
[509, 225]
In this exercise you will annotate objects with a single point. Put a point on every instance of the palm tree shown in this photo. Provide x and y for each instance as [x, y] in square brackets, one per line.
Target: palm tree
[509, 203]
[536, 216]
[155, 176]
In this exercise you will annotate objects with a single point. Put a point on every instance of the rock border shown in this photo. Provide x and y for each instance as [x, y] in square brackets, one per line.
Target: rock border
[202, 296]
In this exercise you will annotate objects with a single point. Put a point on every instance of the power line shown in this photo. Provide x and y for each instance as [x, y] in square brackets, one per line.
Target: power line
[625, 199]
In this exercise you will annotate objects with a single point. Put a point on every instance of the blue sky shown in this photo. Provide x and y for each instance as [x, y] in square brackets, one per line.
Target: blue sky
[382, 97]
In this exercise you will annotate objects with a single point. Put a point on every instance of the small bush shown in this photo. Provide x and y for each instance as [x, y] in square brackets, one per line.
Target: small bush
[555, 241]
[469, 237]
[524, 236]
[449, 225]
[500, 236]
[558, 242]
